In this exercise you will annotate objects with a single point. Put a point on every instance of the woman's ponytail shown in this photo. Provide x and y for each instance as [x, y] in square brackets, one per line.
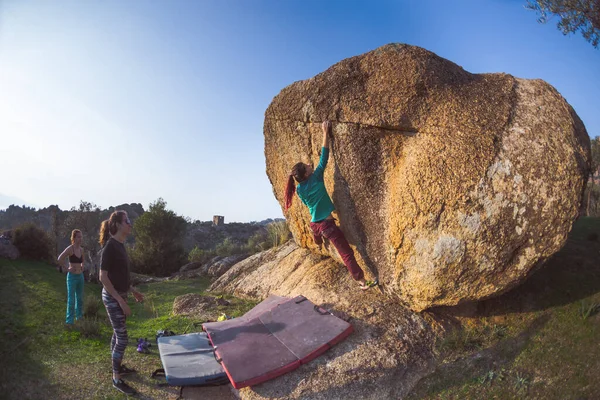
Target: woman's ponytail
[104, 233]
[109, 227]
[298, 174]
[290, 189]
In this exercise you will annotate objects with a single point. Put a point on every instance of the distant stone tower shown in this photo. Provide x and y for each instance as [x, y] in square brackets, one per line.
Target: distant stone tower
[218, 220]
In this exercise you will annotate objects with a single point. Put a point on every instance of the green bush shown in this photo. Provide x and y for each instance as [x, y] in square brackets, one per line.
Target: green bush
[258, 242]
[91, 306]
[275, 234]
[159, 234]
[200, 255]
[89, 327]
[228, 248]
[279, 233]
[33, 242]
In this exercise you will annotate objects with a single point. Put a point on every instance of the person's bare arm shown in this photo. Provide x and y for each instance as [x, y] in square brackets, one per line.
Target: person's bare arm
[139, 297]
[66, 253]
[326, 126]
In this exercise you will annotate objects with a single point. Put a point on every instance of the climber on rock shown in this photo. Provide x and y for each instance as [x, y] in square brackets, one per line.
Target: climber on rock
[311, 190]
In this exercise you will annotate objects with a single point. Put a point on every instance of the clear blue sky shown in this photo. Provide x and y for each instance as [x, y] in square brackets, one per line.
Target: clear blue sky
[127, 101]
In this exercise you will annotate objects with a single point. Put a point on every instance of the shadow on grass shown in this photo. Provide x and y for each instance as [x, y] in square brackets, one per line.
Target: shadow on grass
[22, 376]
[467, 369]
[568, 276]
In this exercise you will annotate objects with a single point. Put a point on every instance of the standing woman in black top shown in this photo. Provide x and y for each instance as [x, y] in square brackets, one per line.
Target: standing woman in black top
[74, 277]
[114, 276]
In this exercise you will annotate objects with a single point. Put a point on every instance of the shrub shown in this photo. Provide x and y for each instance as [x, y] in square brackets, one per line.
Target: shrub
[258, 242]
[200, 255]
[33, 242]
[279, 233]
[275, 234]
[149, 309]
[228, 248]
[89, 327]
[91, 306]
[159, 235]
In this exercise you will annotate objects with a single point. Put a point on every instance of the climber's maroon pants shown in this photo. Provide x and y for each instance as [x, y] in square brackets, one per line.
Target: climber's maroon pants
[330, 230]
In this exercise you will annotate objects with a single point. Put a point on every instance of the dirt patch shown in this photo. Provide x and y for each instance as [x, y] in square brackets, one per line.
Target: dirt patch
[195, 305]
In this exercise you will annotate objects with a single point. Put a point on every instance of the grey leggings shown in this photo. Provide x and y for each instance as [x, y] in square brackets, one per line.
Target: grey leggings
[119, 339]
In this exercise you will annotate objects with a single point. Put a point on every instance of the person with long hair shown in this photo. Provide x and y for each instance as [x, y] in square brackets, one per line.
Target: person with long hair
[310, 186]
[74, 252]
[114, 276]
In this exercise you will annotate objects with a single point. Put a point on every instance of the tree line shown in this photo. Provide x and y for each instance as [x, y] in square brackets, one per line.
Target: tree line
[159, 245]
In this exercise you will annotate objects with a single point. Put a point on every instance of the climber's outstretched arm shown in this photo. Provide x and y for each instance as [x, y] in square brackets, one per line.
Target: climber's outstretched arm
[326, 126]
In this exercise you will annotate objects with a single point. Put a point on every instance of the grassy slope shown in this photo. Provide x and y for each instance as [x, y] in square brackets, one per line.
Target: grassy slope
[531, 342]
[42, 359]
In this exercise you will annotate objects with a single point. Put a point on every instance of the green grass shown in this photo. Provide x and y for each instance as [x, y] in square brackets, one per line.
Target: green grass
[547, 347]
[42, 359]
[470, 338]
[538, 341]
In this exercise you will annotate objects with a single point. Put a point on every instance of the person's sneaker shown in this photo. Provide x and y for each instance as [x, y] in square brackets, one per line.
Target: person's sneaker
[123, 370]
[369, 284]
[123, 387]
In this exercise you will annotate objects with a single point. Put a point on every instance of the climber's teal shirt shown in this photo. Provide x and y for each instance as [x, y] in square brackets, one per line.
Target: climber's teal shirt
[312, 191]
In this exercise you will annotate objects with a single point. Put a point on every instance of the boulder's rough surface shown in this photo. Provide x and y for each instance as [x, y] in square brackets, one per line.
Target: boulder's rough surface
[214, 268]
[190, 266]
[450, 186]
[221, 266]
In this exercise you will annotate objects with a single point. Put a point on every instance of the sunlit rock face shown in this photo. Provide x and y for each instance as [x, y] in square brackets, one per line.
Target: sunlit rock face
[450, 186]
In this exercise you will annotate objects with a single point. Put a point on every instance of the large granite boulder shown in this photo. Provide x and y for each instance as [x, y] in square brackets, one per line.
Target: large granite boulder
[450, 186]
[219, 267]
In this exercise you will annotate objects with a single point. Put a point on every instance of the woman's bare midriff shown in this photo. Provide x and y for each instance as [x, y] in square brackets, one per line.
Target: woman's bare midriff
[75, 268]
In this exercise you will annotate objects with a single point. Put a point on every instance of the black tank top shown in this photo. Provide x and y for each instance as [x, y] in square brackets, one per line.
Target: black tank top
[76, 260]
